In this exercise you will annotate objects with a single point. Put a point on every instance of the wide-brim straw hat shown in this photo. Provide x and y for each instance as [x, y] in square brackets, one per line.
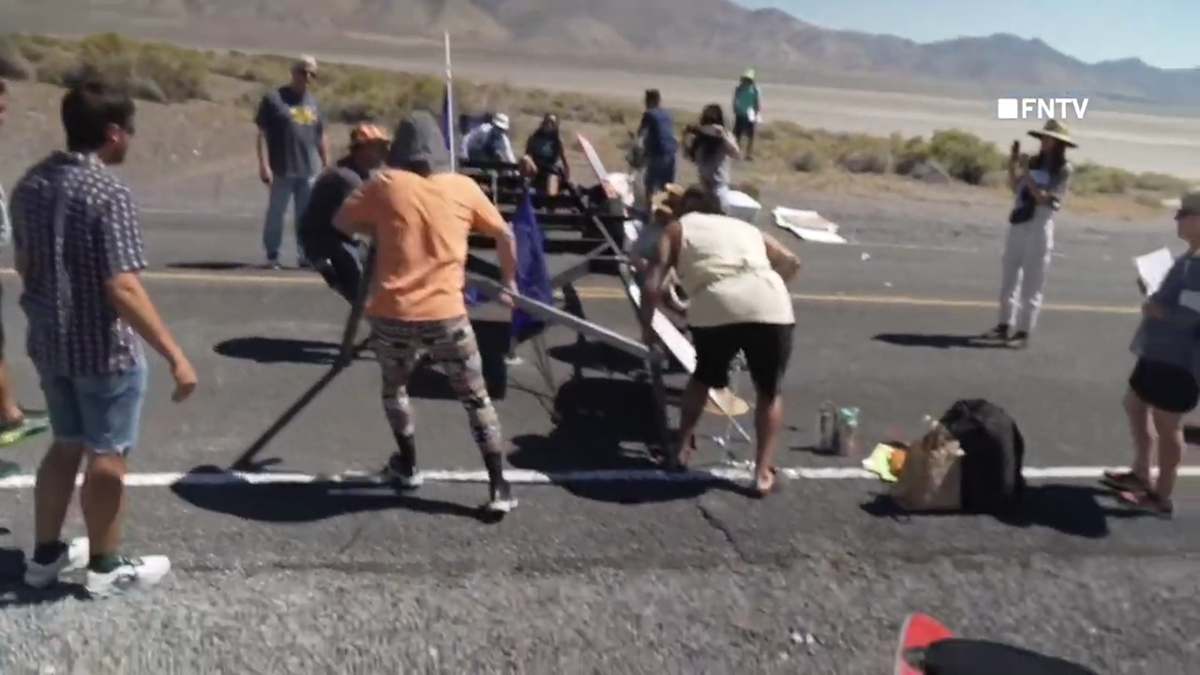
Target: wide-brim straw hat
[1056, 130]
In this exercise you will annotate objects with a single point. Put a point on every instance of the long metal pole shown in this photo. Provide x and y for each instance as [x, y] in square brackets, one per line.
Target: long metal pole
[450, 123]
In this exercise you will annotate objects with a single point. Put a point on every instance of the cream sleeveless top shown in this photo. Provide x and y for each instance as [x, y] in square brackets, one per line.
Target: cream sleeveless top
[723, 266]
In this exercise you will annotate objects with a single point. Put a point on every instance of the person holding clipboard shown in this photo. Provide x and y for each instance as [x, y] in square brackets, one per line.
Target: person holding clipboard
[1162, 386]
[1039, 190]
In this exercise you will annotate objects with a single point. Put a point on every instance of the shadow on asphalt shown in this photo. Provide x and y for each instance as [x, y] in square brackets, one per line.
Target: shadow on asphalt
[309, 502]
[598, 356]
[1191, 434]
[605, 424]
[271, 350]
[212, 266]
[933, 341]
[14, 592]
[1070, 509]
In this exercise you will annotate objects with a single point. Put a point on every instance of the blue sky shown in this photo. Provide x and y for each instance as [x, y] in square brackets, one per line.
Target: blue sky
[1160, 32]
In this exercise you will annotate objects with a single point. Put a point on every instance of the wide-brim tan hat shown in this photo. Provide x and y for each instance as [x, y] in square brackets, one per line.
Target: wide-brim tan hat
[1056, 130]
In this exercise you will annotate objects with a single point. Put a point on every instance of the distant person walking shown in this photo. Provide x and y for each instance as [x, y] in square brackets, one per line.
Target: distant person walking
[292, 151]
[1039, 193]
[735, 277]
[711, 147]
[15, 424]
[747, 111]
[79, 253]
[1163, 386]
[656, 136]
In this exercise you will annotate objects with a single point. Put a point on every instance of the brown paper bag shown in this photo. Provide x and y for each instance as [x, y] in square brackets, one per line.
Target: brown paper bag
[932, 476]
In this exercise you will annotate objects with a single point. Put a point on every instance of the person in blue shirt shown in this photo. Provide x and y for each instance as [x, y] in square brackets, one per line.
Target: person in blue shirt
[657, 138]
[1163, 387]
[747, 109]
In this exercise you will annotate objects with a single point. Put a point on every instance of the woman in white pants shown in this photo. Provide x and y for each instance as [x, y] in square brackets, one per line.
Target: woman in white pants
[1039, 191]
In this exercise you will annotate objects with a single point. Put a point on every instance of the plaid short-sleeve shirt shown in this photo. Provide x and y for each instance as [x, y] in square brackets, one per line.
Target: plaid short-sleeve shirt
[75, 225]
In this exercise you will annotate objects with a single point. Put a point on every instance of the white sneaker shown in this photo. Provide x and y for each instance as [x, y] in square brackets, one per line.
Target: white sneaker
[74, 558]
[134, 573]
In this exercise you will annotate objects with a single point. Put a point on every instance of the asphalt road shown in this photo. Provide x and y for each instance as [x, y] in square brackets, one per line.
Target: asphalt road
[623, 577]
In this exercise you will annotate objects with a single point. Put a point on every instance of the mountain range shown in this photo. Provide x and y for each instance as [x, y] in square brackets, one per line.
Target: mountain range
[696, 31]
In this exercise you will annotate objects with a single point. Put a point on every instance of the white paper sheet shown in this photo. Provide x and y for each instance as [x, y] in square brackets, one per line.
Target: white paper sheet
[1152, 268]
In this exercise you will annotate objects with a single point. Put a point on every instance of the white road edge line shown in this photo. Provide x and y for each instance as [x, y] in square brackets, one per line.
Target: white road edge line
[527, 477]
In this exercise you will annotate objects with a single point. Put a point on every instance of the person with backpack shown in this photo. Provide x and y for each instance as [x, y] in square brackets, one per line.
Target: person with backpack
[1163, 385]
[1039, 190]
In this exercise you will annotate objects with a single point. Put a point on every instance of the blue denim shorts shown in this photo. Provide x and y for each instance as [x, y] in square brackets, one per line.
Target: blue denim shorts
[101, 411]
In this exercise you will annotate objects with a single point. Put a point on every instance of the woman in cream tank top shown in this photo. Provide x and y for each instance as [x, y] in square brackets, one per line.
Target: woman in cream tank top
[724, 269]
[734, 275]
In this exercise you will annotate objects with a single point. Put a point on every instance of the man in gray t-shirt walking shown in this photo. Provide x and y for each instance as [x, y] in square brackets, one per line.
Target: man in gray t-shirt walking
[291, 152]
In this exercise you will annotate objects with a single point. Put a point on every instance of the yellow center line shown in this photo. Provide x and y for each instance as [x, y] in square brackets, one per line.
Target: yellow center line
[610, 293]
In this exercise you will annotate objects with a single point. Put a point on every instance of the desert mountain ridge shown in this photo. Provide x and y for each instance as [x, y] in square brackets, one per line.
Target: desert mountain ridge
[669, 30]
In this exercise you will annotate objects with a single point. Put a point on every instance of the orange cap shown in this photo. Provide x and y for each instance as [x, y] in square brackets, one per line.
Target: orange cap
[368, 133]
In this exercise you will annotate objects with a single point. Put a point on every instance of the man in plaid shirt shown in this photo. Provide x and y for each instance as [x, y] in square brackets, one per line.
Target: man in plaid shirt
[79, 252]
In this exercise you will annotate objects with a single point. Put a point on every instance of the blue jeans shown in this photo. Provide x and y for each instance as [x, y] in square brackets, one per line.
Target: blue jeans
[101, 411]
[660, 170]
[284, 188]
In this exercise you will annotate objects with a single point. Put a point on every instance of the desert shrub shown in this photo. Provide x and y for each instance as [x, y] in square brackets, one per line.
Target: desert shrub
[809, 161]
[1091, 178]
[874, 161]
[908, 153]
[1160, 182]
[13, 64]
[966, 156]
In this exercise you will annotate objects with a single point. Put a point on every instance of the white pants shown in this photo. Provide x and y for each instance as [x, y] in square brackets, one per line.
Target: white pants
[1027, 253]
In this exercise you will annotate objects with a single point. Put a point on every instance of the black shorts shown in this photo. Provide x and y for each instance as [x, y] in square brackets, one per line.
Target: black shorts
[1169, 388]
[743, 127]
[767, 346]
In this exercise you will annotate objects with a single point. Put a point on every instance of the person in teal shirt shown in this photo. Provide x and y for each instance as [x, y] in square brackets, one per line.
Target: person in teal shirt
[747, 110]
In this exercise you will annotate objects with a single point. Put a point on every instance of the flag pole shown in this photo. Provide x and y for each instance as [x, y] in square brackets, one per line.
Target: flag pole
[450, 124]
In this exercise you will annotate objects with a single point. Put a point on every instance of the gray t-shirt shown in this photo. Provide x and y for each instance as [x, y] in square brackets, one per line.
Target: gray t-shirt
[1174, 339]
[293, 126]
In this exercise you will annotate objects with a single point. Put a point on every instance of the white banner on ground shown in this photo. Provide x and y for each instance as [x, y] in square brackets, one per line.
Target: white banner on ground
[807, 225]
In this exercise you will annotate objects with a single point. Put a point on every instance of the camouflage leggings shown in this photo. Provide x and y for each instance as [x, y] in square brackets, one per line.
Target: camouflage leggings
[399, 347]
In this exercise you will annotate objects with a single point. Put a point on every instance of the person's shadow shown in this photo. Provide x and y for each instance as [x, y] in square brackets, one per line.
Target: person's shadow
[14, 592]
[306, 502]
[939, 341]
[605, 428]
[280, 350]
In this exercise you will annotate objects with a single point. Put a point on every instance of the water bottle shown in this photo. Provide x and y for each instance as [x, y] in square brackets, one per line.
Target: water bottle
[827, 428]
[847, 431]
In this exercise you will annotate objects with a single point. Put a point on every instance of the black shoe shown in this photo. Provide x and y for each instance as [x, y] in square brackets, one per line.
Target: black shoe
[401, 469]
[1019, 340]
[1000, 332]
[500, 499]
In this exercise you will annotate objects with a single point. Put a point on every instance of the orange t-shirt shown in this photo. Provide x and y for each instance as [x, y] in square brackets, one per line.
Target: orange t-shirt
[420, 228]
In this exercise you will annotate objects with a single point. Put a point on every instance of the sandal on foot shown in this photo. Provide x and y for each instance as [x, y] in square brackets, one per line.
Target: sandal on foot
[1124, 481]
[1147, 502]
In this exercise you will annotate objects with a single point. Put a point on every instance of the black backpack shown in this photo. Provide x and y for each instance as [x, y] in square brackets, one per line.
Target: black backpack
[993, 456]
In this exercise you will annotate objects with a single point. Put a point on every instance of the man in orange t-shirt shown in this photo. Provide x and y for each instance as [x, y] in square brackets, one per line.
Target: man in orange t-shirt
[419, 218]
